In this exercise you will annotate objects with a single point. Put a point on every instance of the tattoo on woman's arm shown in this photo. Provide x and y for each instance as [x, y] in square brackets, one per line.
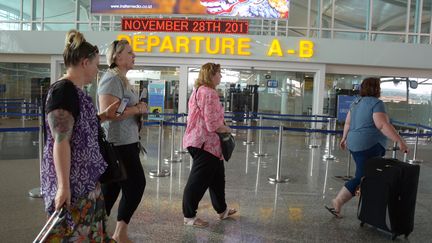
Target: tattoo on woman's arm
[61, 123]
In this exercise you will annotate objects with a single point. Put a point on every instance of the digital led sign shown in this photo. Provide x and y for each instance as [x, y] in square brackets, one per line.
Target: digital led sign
[214, 45]
[270, 9]
[185, 25]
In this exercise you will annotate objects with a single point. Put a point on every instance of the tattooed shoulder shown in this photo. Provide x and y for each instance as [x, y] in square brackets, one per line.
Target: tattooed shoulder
[61, 124]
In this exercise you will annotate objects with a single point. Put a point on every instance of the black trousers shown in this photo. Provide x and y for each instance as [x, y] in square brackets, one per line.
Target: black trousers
[207, 172]
[132, 188]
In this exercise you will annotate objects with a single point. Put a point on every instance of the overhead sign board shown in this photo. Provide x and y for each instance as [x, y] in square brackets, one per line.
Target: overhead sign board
[218, 45]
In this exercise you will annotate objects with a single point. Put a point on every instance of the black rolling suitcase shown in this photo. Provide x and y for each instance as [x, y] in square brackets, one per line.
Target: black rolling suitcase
[388, 195]
[55, 218]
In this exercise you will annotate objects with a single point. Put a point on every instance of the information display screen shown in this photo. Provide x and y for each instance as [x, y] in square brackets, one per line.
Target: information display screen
[271, 9]
[185, 25]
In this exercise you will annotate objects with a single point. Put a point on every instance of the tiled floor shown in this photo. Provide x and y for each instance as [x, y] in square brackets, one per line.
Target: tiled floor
[289, 212]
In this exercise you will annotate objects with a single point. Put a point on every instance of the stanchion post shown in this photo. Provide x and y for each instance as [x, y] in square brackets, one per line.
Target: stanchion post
[414, 160]
[249, 131]
[159, 172]
[23, 111]
[347, 177]
[260, 140]
[172, 158]
[330, 126]
[5, 109]
[313, 143]
[278, 178]
[36, 192]
[182, 131]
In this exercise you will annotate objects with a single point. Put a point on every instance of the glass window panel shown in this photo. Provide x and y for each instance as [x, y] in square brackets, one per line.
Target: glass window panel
[413, 16]
[37, 9]
[326, 13]
[59, 10]
[27, 10]
[140, 77]
[298, 13]
[425, 40]
[350, 14]
[314, 14]
[389, 16]
[277, 92]
[426, 17]
[24, 81]
[414, 106]
[338, 84]
[84, 10]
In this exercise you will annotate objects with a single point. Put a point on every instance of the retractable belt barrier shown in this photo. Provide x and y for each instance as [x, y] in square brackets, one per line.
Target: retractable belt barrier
[174, 122]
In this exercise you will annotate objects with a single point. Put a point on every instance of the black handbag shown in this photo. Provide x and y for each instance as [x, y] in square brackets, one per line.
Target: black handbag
[115, 171]
[228, 144]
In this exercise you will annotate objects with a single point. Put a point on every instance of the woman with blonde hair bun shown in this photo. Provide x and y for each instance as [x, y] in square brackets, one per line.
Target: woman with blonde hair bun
[72, 162]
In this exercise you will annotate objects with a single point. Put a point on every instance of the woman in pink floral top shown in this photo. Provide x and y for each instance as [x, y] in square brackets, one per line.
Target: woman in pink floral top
[205, 120]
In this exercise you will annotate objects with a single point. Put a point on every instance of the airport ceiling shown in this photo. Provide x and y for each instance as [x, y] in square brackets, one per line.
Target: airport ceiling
[389, 15]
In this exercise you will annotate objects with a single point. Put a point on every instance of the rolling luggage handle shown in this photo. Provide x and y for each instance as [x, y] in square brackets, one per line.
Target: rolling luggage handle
[395, 148]
[56, 217]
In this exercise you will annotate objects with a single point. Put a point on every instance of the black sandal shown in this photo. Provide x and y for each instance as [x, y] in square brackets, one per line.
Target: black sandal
[333, 211]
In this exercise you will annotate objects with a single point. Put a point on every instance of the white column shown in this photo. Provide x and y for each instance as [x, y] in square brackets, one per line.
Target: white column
[284, 97]
[318, 91]
[183, 83]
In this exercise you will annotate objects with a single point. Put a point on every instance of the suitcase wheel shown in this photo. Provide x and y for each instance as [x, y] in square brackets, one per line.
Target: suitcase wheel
[361, 224]
[394, 236]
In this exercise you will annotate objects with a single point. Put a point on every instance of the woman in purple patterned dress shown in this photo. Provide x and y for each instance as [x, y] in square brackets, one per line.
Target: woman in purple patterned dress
[72, 162]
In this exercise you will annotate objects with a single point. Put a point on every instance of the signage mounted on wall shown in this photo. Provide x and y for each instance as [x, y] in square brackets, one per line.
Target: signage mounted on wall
[272, 83]
[241, 46]
[343, 106]
[270, 9]
[156, 99]
[185, 25]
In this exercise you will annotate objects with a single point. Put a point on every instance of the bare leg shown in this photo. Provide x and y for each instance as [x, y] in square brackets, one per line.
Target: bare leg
[342, 197]
[120, 233]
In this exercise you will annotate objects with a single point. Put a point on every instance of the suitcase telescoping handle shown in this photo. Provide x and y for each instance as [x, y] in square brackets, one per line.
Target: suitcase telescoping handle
[396, 148]
[52, 221]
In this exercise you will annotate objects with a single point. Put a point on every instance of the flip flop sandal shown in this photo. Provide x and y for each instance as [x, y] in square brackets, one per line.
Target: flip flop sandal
[228, 212]
[334, 212]
[195, 222]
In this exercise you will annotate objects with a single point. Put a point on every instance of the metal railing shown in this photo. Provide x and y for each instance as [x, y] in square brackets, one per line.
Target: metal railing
[260, 27]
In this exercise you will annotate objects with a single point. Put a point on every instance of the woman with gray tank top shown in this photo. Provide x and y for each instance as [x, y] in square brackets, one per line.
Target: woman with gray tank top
[123, 132]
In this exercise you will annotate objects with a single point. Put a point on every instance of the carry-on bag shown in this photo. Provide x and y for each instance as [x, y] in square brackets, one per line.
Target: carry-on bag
[388, 195]
[55, 218]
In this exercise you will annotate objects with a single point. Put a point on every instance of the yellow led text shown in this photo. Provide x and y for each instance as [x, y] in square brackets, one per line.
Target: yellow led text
[186, 44]
[306, 49]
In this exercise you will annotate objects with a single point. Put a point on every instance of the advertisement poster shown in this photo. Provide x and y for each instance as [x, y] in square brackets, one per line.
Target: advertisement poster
[343, 106]
[156, 99]
[272, 9]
